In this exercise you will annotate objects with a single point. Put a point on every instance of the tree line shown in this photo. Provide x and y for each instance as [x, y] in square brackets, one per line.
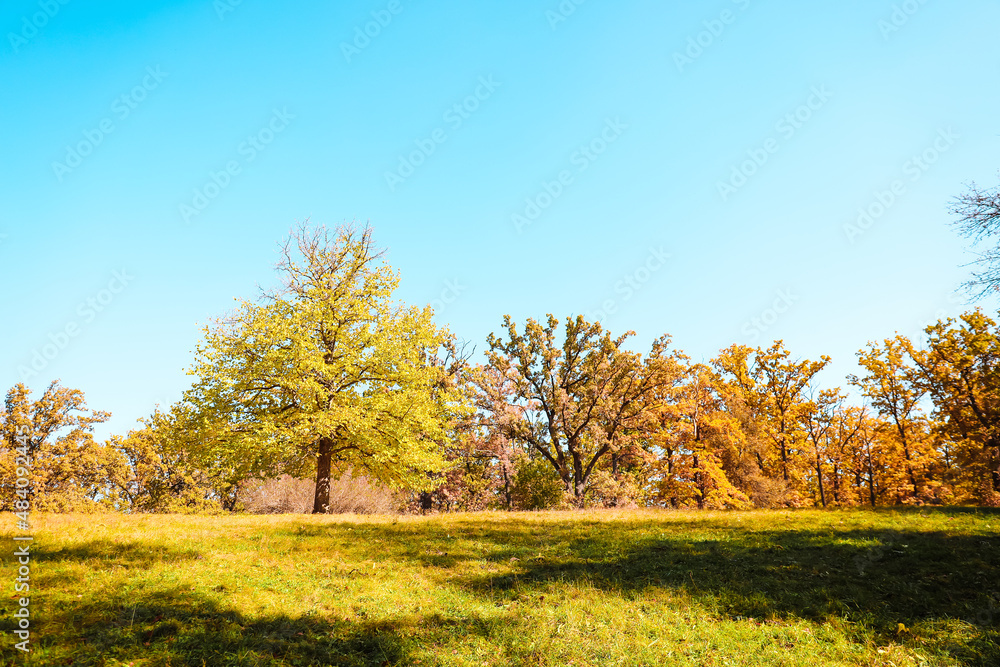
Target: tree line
[328, 376]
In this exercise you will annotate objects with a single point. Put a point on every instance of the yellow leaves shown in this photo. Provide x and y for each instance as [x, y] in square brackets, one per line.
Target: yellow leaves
[332, 356]
[68, 469]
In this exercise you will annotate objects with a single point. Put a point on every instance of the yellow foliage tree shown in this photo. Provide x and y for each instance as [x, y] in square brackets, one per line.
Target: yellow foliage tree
[328, 373]
[66, 469]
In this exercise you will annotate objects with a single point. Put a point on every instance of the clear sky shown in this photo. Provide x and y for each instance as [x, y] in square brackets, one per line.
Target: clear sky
[677, 168]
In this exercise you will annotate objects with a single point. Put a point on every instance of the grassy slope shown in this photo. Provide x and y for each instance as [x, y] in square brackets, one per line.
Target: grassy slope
[601, 588]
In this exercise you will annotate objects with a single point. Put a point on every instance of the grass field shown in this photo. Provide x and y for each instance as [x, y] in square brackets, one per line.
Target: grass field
[918, 587]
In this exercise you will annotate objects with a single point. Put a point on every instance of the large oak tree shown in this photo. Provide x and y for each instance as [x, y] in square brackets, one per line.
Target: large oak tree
[961, 370]
[328, 373]
[579, 399]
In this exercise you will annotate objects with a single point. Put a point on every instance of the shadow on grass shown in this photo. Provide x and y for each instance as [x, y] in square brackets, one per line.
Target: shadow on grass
[180, 628]
[104, 555]
[875, 579]
[944, 587]
[136, 554]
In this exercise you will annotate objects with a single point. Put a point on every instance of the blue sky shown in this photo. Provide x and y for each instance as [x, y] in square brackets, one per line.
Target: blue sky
[690, 169]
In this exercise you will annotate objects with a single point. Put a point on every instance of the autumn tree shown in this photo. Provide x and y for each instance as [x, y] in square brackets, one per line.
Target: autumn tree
[69, 470]
[875, 464]
[164, 474]
[578, 399]
[842, 438]
[328, 373]
[771, 386]
[820, 419]
[497, 419]
[483, 457]
[701, 445]
[961, 370]
[891, 384]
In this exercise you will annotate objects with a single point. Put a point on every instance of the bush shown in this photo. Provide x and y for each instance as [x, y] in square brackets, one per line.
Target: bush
[288, 495]
[607, 490]
[536, 486]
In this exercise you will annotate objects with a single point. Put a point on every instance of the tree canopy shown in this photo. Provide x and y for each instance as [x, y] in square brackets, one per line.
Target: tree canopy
[328, 373]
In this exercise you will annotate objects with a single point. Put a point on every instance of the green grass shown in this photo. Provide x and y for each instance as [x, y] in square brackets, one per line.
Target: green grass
[590, 588]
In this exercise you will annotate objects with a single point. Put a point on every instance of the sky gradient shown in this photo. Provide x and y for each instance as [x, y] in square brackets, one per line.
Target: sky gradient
[725, 172]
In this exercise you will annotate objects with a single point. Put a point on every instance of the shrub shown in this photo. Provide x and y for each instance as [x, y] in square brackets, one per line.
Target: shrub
[536, 486]
[348, 494]
[607, 490]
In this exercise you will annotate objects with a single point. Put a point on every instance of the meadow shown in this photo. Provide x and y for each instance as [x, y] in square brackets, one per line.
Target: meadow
[610, 587]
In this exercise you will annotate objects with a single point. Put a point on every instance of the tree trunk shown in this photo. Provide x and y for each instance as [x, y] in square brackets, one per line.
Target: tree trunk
[699, 483]
[506, 488]
[426, 502]
[871, 486]
[909, 469]
[819, 478]
[993, 464]
[579, 482]
[784, 459]
[321, 500]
